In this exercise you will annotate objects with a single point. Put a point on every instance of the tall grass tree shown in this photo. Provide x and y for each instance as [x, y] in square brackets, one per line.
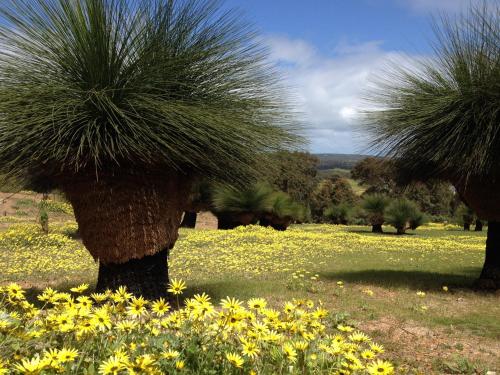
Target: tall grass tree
[122, 105]
[375, 205]
[441, 117]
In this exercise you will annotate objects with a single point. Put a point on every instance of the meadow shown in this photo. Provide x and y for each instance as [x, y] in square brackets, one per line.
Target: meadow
[411, 293]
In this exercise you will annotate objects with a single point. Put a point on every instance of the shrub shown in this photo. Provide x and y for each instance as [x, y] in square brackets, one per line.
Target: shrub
[50, 205]
[339, 213]
[403, 214]
[44, 221]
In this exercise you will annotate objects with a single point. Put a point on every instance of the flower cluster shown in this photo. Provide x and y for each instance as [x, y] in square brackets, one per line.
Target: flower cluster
[303, 280]
[118, 333]
[26, 251]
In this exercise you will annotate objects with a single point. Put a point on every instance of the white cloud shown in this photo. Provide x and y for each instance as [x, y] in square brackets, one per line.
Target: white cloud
[329, 89]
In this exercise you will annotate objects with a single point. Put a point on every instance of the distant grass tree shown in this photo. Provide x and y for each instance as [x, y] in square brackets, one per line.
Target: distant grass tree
[122, 105]
[241, 206]
[465, 216]
[282, 212]
[375, 205]
[403, 214]
[440, 118]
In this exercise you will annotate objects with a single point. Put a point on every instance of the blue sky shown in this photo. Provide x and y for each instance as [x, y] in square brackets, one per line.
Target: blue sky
[329, 50]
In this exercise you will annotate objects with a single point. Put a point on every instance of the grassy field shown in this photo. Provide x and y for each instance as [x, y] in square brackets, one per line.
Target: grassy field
[411, 293]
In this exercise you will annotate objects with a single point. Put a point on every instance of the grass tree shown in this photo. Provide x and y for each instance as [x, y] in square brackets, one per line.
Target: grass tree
[440, 117]
[465, 216]
[375, 205]
[403, 214]
[282, 211]
[241, 206]
[122, 105]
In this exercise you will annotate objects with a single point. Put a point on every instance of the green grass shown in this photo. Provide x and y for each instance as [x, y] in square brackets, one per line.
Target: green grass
[258, 262]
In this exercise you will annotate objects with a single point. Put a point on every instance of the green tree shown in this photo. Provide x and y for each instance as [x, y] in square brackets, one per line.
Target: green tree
[433, 197]
[440, 118]
[339, 214]
[380, 175]
[331, 191]
[122, 105]
[377, 173]
[293, 173]
[375, 205]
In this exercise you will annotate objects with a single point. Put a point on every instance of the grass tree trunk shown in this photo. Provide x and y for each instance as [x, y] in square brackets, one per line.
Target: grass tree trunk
[482, 196]
[490, 275]
[128, 224]
[377, 228]
[189, 219]
[479, 226]
[466, 226]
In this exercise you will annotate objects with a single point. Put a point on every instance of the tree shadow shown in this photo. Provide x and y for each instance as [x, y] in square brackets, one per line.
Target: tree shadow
[361, 231]
[32, 292]
[415, 280]
[242, 289]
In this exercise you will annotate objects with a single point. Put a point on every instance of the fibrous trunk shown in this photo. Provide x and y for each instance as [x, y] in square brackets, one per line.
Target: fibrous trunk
[128, 223]
[280, 223]
[265, 221]
[481, 194]
[490, 275]
[466, 226]
[233, 220]
[147, 276]
[377, 228]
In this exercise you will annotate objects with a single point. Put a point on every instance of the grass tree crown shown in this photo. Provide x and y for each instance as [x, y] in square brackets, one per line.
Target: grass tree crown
[104, 86]
[441, 117]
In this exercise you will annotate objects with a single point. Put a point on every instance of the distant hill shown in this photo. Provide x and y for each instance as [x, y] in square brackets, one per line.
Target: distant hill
[342, 161]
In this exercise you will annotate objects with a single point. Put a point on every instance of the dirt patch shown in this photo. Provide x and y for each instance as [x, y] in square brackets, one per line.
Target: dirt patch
[424, 347]
[9, 206]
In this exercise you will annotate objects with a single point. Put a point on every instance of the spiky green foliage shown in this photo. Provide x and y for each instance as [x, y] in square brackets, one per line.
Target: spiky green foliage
[92, 86]
[403, 214]
[375, 205]
[283, 206]
[339, 213]
[418, 219]
[256, 199]
[465, 216]
[441, 116]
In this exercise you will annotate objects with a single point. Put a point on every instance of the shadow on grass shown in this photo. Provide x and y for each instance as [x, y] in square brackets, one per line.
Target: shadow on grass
[361, 231]
[232, 288]
[32, 292]
[408, 279]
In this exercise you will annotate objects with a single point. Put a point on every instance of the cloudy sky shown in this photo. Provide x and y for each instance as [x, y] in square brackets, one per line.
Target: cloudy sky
[329, 49]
